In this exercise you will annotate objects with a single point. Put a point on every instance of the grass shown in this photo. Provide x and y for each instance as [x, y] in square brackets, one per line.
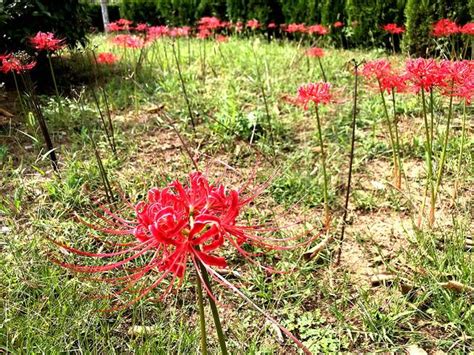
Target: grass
[330, 308]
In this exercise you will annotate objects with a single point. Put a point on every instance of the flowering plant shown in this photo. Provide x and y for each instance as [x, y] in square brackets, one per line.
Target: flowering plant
[178, 226]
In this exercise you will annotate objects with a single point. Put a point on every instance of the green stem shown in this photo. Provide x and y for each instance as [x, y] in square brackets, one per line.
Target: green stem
[54, 79]
[428, 148]
[431, 118]
[19, 94]
[323, 164]
[390, 130]
[445, 145]
[215, 313]
[202, 319]
[322, 70]
[461, 151]
[397, 140]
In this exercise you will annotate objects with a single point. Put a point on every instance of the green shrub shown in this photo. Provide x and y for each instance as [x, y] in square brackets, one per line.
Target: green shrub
[420, 15]
[95, 15]
[21, 19]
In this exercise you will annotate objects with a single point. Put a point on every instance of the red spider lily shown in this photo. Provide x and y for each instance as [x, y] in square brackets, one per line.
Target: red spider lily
[338, 24]
[445, 28]
[141, 27]
[203, 33]
[468, 29]
[209, 23]
[222, 38]
[114, 27]
[129, 41]
[12, 64]
[393, 28]
[106, 58]
[45, 41]
[424, 73]
[253, 24]
[318, 29]
[180, 32]
[318, 93]
[272, 26]
[124, 23]
[296, 28]
[177, 226]
[155, 32]
[387, 78]
[4, 56]
[458, 79]
[315, 52]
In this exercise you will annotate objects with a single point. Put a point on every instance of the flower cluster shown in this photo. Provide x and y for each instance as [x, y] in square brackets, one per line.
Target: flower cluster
[453, 78]
[106, 58]
[120, 25]
[387, 78]
[315, 52]
[129, 41]
[393, 28]
[318, 93]
[16, 63]
[46, 41]
[177, 226]
[446, 28]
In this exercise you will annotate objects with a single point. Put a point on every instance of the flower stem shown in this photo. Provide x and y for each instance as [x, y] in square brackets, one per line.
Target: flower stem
[428, 145]
[443, 153]
[58, 98]
[215, 313]
[322, 70]
[323, 164]
[461, 151]
[20, 98]
[202, 319]
[396, 171]
[397, 142]
[351, 161]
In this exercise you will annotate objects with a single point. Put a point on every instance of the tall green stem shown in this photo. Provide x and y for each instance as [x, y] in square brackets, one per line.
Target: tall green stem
[428, 145]
[397, 141]
[323, 164]
[443, 153]
[461, 151]
[58, 98]
[322, 70]
[202, 319]
[215, 313]
[396, 172]
[17, 87]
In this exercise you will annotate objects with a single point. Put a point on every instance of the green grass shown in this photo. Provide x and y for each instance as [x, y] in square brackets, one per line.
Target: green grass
[46, 309]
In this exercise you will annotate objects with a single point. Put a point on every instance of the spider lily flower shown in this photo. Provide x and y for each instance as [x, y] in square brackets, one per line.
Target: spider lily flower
[468, 29]
[318, 93]
[393, 28]
[424, 73]
[253, 24]
[271, 26]
[317, 29]
[338, 24]
[15, 64]
[45, 41]
[315, 52]
[155, 32]
[387, 79]
[209, 23]
[458, 79]
[175, 227]
[141, 27]
[296, 28]
[129, 41]
[445, 28]
[106, 58]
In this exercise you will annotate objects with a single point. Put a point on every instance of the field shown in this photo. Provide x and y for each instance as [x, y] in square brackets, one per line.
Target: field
[400, 284]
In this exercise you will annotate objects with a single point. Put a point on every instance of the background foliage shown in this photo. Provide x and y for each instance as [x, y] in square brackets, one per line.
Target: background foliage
[20, 19]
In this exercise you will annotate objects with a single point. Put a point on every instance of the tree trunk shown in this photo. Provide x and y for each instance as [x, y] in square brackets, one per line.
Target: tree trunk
[105, 14]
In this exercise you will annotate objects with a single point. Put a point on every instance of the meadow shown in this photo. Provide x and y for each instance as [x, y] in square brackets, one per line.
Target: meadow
[226, 107]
